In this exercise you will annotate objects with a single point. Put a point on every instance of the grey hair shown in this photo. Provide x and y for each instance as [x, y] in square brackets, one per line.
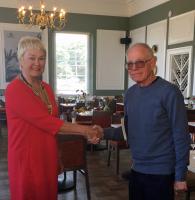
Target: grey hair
[150, 52]
[144, 45]
[29, 42]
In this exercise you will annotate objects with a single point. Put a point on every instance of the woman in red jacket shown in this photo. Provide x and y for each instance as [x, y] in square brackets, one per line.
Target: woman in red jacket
[33, 122]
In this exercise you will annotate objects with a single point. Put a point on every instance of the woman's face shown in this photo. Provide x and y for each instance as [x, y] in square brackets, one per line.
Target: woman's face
[33, 63]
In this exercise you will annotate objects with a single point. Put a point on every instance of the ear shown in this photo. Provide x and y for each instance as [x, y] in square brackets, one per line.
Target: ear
[155, 70]
[153, 61]
[153, 64]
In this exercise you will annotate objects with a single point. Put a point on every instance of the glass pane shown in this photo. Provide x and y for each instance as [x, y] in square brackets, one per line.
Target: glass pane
[179, 71]
[71, 62]
[81, 70]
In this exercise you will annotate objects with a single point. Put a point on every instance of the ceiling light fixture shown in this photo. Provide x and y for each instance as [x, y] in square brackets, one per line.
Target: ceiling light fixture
[42, 18]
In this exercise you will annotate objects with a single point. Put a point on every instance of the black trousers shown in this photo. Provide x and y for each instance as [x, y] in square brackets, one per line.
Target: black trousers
[151, 187]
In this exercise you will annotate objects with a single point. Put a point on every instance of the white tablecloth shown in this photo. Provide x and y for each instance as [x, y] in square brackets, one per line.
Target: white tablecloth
[116, 125]
[191, 123]
[191, 167]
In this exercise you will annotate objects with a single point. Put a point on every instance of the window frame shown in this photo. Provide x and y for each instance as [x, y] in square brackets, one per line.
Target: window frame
[89, 63]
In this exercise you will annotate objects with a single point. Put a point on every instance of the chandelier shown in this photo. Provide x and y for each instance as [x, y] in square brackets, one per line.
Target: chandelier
[43, 19]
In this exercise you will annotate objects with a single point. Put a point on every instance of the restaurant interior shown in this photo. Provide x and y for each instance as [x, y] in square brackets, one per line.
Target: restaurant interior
[90, 80]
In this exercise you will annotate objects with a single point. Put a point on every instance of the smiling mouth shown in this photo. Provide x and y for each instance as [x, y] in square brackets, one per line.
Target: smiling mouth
[36, 69]
[137, 74]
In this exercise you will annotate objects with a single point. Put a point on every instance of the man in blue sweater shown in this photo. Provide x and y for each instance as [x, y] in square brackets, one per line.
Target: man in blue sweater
[157, 127]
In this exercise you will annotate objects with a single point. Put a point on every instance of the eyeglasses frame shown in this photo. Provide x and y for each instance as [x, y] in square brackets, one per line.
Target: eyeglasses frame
[134, 64]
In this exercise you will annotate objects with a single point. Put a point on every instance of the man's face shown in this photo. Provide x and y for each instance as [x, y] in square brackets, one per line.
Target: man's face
[140, 65]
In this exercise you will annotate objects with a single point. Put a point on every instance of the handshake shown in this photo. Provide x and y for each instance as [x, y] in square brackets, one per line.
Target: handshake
[94, 134]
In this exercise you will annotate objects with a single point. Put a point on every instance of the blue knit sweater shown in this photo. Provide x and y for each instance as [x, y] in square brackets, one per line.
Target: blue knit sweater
[157, 129]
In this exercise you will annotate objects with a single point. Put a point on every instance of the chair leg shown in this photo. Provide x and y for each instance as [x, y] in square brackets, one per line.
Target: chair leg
[188, 194]
[87, 184]
[109, 155]
[91, 147]
[107, 143]
[75, 178]
[117, 159]
[64, 181]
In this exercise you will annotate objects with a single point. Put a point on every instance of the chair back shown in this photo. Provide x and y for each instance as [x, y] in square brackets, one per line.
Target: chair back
[116, 118]
[191, 115]
[102, 118]
[3, 117]
[72, 152]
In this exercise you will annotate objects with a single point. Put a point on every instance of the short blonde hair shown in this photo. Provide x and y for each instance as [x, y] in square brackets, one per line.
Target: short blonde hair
[29, 42]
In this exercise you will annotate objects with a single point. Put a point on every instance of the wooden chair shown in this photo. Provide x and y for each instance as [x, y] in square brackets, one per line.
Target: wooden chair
[114, 145]
[191, 184]
[191, 115]
[103, 119]
[120, 108]
[3, 118]
[73, 157]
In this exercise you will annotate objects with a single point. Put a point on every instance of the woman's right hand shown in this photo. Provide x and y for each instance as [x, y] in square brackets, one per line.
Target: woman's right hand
[94, 134]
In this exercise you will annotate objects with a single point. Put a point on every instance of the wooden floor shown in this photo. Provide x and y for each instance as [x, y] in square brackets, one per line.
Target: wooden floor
[105, 185]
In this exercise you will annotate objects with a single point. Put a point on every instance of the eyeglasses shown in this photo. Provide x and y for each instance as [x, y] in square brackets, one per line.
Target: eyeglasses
[138, 64]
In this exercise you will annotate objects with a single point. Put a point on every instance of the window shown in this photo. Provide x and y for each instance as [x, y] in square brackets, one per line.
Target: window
[179, 68]
[71, 62]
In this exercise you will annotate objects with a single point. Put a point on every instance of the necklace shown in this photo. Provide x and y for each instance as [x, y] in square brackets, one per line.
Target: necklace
[40, 92]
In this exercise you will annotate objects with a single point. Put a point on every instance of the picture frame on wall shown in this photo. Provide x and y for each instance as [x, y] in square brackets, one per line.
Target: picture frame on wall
[10, 35]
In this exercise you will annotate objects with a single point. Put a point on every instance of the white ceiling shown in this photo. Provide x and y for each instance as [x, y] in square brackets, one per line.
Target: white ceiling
[137, 6]
[124, 8]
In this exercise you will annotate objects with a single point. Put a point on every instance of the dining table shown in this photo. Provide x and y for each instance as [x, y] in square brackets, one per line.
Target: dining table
[66, 106]
[84, 118]
[116, 125]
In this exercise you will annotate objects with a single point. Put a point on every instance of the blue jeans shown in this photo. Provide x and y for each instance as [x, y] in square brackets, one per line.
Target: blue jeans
[151, 187]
